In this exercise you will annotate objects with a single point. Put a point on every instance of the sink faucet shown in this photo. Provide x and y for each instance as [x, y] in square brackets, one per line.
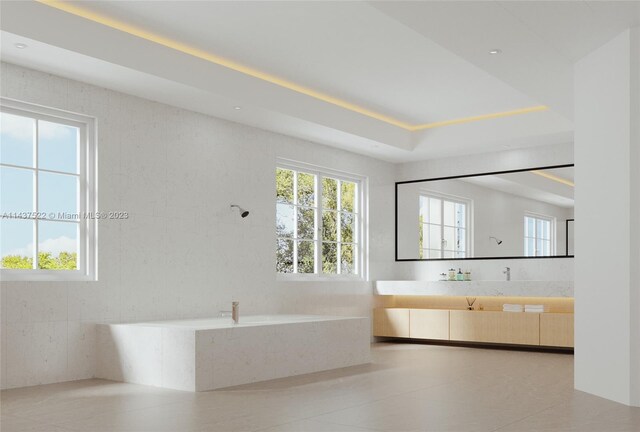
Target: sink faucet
[235, 312]
[507, 271]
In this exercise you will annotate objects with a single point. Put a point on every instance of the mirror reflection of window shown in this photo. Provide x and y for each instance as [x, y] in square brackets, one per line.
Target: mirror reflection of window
[483, 215]
[538, 235]
[443, 227]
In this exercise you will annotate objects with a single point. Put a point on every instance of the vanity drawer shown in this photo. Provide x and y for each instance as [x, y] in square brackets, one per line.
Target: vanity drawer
[429, 324]
[556, 329]
[391, 322]
[495, 327]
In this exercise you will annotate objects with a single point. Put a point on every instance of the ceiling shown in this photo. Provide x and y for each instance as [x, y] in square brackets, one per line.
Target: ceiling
[400, 81]
[553, 186]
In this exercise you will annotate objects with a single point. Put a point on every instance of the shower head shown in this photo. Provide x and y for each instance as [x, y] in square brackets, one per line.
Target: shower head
[244, 213]
[498, 241]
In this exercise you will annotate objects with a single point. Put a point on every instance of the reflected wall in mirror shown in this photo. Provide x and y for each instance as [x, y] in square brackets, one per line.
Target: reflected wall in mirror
[509, 214]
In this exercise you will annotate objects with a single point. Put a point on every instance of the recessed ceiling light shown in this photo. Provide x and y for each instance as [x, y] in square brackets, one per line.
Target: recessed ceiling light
[237, 108]
[20, 45]
[495, 51]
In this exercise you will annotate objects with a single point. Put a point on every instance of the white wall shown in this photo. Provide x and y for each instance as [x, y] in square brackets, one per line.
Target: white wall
[495, 213]
[182, 253]
[529, 269]
[607, 141]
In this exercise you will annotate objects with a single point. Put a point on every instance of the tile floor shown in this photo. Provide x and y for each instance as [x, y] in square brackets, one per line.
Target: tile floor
[406, 388]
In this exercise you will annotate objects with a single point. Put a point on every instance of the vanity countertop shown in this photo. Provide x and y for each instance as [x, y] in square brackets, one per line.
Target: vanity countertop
[524, 288]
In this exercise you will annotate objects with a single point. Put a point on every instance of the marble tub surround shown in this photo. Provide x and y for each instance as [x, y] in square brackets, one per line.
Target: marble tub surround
[476, 288]
[488, 303]
[207, 354]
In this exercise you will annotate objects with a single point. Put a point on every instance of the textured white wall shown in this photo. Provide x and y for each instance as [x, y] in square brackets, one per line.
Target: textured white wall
[607, 146]
[536, 269]
[182, 253]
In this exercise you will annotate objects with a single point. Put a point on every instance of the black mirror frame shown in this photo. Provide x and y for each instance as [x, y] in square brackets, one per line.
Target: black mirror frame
[465, 176]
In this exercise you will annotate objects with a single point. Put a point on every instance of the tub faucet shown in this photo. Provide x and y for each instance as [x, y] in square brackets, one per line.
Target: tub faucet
[507, 271]
[235, 312]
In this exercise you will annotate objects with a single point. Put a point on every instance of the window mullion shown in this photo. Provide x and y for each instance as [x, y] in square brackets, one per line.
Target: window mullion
[537, 237]
[315, 224]
[534, 238]
[442, 228]
[81, 201]
[356, 235]
[36, 258]
[338, 225]
[295, 221]
[320, 221]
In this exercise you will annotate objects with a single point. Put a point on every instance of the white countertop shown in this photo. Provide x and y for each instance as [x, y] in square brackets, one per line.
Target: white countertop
[524, 288]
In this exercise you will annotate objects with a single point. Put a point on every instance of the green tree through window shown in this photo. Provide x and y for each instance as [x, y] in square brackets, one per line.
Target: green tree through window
[300, 246]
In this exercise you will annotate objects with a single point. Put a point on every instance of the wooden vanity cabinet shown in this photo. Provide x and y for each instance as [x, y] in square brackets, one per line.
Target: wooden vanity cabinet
[556, 329]
[495, 327]
[391, 322]
[429, 324]
[514, 328]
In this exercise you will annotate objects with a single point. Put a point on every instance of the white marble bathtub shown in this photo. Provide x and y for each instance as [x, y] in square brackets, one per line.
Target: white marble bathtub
[207, 354]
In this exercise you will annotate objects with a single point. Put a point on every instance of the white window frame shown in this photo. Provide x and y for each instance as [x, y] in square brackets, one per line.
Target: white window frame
[468, 203]
[361, 235]
[552, 232]
[87, 205]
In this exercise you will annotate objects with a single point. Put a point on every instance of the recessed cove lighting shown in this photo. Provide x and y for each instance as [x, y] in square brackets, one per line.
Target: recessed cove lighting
[20, 45]
[79, 11]
[237, 108]
[495, 51]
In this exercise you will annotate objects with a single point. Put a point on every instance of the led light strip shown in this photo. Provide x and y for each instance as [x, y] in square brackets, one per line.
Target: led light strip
[554, 178]
[480, 117]
[73, 9]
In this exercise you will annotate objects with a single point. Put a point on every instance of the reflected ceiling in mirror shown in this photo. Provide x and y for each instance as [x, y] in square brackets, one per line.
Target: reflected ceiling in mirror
[509, 214]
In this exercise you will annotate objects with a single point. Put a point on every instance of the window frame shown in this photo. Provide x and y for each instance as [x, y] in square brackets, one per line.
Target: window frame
[361, 234]
[552, 234]
[87, 193]
[469, 228]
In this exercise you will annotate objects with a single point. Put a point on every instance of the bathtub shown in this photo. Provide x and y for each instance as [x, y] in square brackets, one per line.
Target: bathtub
[213, 353]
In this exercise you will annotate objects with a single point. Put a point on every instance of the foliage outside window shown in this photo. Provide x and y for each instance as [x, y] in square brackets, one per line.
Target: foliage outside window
[317, 223]
[443, 228]
[46, 190]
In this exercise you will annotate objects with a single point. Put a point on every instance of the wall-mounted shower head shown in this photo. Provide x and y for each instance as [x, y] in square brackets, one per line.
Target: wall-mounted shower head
[244, 213]
[498, 241]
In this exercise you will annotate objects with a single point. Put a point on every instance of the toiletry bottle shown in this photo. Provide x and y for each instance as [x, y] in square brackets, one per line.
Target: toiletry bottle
[460, 276]
[467, 276]
[452, 274]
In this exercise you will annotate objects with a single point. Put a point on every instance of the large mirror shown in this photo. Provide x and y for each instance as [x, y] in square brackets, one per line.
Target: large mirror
[509, 214]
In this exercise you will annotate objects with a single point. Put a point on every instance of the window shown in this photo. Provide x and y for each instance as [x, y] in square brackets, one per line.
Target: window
[318, 222]
[47, 171]
[444, 227]
[538, 235]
